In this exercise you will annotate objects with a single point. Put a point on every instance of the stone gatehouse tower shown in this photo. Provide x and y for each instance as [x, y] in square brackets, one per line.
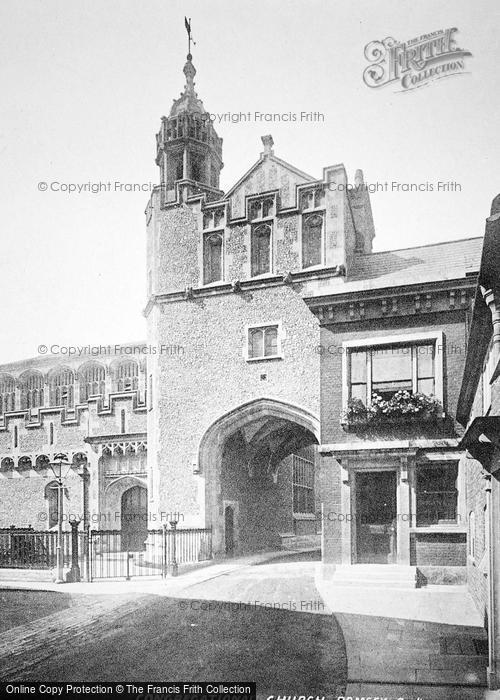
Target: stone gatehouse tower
[234, 418]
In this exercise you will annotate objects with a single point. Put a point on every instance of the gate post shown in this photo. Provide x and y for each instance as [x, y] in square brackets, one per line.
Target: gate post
[86, 554]
[164, 558]
[127, 577]
[174, 569]
[74, 573]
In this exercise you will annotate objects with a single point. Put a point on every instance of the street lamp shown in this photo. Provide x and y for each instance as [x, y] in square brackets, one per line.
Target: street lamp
[57, 469]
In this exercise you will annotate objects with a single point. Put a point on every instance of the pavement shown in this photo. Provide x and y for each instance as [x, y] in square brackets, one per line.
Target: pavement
[418, 643]
[424, 643]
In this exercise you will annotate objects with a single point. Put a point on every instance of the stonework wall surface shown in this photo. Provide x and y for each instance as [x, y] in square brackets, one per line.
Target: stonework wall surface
[178, 249]
[23, 499]
[213, 376]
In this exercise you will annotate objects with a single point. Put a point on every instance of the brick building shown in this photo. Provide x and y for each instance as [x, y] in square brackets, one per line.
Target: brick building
[479, 412]
[392, 334]
[318, 380]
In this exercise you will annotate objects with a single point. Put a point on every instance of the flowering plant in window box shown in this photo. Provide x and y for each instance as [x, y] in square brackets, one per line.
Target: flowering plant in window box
[356, 412]
[403, 406]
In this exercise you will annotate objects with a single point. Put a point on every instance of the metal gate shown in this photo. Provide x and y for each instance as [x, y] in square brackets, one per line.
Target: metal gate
[109, 554]
[99, 554]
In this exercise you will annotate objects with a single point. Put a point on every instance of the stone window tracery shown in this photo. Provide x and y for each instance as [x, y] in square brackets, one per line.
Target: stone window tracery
[92, 381]
[32, 390]
[62, 388]
[128, 376]
[7, 393]
[261, 208]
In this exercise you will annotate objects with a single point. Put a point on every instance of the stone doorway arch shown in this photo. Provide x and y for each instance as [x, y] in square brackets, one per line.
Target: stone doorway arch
[240, 457]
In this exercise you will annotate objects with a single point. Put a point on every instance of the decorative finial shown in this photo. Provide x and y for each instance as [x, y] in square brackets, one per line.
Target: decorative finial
[189, 69]
[189, 72]
[187, 24]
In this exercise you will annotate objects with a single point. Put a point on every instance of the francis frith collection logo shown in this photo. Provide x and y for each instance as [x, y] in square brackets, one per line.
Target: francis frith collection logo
[414, 63]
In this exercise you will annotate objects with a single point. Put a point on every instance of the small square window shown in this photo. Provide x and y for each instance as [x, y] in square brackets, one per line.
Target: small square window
[263, 342]
[312, 199]
[261, 209]
[213, 218]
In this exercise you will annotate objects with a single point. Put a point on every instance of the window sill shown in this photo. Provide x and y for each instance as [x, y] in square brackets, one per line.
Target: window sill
[313, 268]
[261, 219]
[210, 285]
[311, 210]
[264, 359]
[377, 424]
[304, 516]
[263, 276]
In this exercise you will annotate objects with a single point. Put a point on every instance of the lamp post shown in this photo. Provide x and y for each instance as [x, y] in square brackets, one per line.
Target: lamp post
[57, 469]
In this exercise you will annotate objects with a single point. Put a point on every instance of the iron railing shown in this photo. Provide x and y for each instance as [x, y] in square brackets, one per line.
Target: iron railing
[106, 553]
[162, 552]
[24, 548]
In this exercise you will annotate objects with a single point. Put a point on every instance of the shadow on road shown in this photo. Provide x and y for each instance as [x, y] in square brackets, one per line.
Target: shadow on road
[292, 558]
[284, 652]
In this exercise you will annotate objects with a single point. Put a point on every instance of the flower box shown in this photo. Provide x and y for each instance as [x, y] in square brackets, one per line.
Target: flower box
[404, 408]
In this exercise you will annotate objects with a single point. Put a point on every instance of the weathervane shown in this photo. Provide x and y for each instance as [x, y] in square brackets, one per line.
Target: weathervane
[187, 24]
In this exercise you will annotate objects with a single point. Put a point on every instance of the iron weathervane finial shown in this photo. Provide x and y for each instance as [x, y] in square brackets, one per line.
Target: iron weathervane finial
[187, 24]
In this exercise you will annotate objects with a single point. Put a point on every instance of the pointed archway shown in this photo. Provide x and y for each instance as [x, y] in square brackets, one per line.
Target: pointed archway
[240, 457]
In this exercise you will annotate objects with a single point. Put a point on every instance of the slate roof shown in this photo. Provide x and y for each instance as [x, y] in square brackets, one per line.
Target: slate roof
[447, 258]
[436, 262]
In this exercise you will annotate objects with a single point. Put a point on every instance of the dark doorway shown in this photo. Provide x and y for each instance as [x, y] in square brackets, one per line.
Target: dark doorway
[134, 519]
[376, 517]
[229, 530]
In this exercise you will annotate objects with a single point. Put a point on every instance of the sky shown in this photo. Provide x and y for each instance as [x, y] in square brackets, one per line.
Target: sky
[84, 85]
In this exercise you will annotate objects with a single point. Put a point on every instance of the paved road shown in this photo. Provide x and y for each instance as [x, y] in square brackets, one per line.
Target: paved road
[264, 623]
